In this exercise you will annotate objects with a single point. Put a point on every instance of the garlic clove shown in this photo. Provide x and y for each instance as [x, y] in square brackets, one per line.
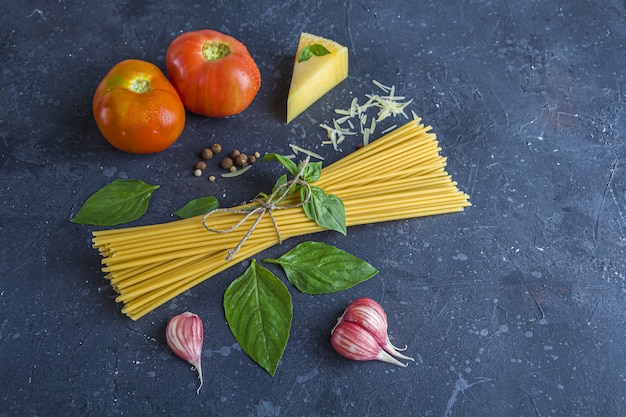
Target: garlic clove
[354, 342]
[371, 316]
[184, 334]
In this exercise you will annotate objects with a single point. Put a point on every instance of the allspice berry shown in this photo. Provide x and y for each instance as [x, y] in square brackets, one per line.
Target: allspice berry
[201, 165]
[226, 163]
[241, 159]
[234, 153]
[251, 159]
[216, 148]
[207, 153]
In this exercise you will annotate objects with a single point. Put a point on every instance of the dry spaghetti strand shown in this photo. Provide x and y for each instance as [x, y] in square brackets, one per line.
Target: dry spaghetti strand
[149, 265]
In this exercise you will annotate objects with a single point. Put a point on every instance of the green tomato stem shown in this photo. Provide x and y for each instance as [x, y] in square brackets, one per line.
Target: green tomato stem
[212, 51]
[140, 85]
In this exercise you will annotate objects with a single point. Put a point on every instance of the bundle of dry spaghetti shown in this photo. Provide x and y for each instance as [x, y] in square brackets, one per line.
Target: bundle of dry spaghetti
[399, 176]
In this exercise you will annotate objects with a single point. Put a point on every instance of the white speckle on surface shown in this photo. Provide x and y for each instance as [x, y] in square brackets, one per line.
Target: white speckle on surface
[109, 172]
[460, 257]
[310, 375]
[484, 332]
[267, 409]
[502, 329]
[528, 334]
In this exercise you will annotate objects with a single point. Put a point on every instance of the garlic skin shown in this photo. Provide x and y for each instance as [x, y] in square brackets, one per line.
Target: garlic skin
[371, 316]
[354, 342]
[184, 334]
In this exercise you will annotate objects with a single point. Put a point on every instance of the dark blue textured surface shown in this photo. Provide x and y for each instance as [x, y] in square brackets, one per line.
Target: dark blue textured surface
[515, 307]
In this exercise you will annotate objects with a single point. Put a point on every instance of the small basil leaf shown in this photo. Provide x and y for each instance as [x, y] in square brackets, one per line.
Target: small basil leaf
[317, 268]
[287, 163]
[308, 51]
[279, 182]
[259, 311]
[312, 172]
[281, 191]
[121, 201]
[305, 54]
[199, 206]
[326, 209]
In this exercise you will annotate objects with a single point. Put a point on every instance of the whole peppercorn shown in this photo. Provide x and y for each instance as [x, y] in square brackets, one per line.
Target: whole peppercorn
[251, 159]
[234, 154]
[241, 159]
[201, 165]
[212, 178]
[232, 169]
[207, 153]
[216, 148]
[197, 173]
[226, 163]
[257, 154]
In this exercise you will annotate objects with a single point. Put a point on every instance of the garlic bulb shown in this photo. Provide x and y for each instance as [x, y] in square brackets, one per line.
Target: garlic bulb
[361, 334]
[184, 334]
[370, 315]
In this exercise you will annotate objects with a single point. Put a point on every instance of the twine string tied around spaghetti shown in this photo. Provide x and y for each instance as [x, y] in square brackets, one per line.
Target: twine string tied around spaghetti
[264, 205]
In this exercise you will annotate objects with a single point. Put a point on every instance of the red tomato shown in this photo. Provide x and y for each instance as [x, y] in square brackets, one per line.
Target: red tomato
[214, 73]
[137, 109]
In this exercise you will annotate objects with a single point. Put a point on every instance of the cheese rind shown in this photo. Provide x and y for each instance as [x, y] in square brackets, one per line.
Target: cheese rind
[315, 77]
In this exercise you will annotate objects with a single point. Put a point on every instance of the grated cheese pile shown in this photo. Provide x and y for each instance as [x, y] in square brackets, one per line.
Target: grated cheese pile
[387, 104]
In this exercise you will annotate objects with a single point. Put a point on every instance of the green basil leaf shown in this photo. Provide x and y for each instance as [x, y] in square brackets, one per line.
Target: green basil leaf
[259, 311]
[199, 206]
[287, 163]
[279, 183]
[305, 54]
[326, 209]
[317, 268]
[308, 51]
[121, 201]
[312, 172]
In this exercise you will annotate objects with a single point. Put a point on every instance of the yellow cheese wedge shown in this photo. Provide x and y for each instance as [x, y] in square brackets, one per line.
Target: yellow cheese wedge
[315, 77]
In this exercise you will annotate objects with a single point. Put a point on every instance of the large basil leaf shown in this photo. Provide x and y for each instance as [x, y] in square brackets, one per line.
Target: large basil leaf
[326, 209]
[121, 201]
[317, 268]
[258, 310]
[199, 206]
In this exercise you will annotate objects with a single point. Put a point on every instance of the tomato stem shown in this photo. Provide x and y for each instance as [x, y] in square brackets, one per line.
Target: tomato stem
[140, 85]
[212, 51]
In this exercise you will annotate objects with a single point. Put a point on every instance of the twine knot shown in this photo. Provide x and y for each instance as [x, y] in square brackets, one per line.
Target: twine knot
[264, 205]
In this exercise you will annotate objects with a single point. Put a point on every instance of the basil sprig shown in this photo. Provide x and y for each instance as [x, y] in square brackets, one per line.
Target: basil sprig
[327, 210]
[258, 306]
[121, 201]
[315, 49]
